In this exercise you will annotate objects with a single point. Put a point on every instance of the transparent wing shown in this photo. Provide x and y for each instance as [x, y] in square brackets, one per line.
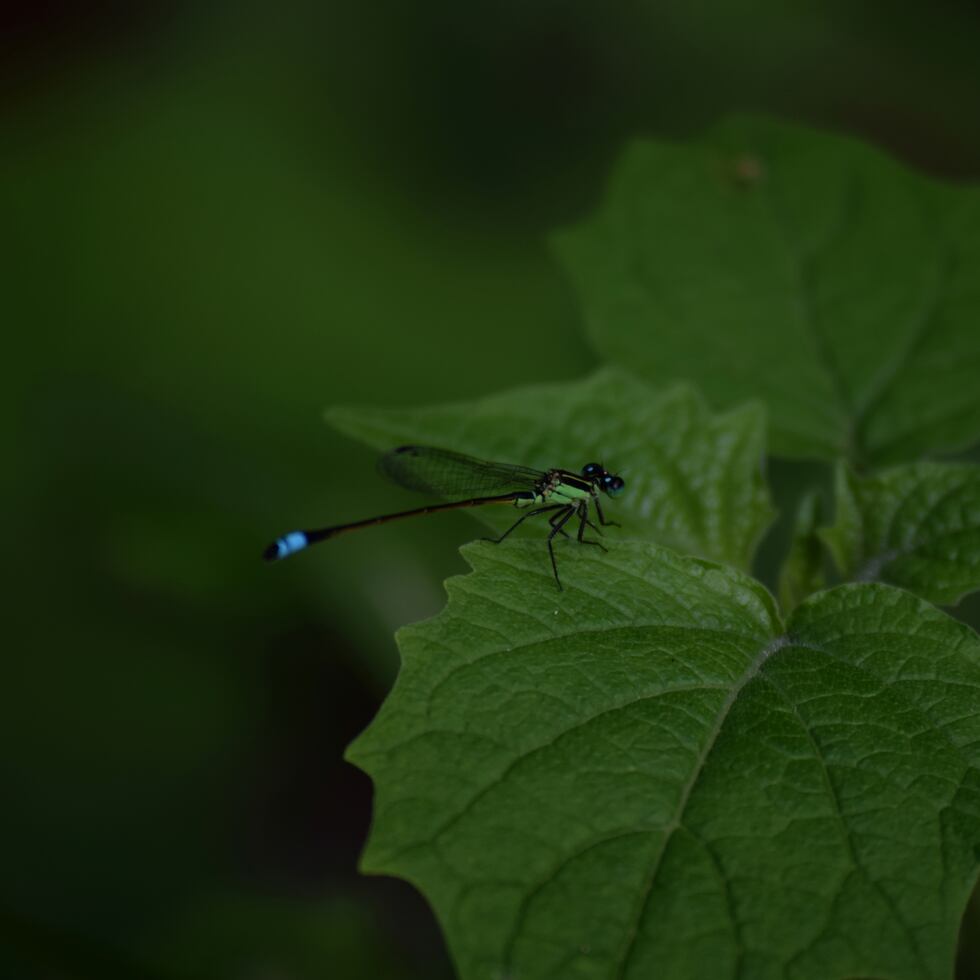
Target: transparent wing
[453, 475]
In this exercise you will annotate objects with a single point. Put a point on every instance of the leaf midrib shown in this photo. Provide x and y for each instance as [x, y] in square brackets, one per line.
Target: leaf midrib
[845, 833]
[748, 675]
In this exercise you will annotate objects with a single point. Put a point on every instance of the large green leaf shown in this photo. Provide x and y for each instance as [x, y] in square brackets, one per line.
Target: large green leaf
[652, 777]
[694, 481]
[916, 526]
[769, 260]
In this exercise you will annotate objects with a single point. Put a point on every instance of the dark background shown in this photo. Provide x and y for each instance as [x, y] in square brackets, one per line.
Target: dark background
[217, 220]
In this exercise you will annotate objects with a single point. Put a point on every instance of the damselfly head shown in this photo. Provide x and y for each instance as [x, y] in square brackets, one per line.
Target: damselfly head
[607, 482]
[613, 485]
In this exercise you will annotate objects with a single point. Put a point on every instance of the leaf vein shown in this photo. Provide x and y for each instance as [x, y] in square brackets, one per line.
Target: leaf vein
[540, 747]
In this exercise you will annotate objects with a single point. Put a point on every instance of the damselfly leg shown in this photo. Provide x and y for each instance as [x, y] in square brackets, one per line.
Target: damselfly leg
[583, 513]
[602, 517]
[567, 513]
[520, 520]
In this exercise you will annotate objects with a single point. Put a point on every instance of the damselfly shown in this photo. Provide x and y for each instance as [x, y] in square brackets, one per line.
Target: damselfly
[468, 482]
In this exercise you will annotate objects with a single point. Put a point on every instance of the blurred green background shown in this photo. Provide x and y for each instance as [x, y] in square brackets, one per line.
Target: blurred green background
[217, 220]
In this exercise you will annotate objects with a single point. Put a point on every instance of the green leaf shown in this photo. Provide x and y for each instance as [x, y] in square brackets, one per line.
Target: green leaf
[650, 776]
[811, 270]
[694, 481]
[916, 526]
[803, 570]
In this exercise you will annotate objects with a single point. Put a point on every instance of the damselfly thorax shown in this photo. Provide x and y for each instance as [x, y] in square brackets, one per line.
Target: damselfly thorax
[560, 486]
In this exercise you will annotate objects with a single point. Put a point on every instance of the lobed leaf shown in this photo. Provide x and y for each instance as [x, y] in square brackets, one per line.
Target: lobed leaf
[916, 526]
[767, 260]
[654, 777]
[694, 481]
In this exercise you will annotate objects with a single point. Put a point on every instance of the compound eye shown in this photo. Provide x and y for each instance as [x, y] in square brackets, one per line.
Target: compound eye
[613, 485]
[591, 469]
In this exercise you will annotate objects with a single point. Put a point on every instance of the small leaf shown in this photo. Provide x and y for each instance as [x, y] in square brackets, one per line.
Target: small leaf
[769, 260]
[651, 777]
[803, 570]
[694, 481]
[916, 526]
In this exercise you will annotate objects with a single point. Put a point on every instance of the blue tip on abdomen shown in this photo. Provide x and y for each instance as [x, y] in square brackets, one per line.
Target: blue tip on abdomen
[294, 541]
[288, 544]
